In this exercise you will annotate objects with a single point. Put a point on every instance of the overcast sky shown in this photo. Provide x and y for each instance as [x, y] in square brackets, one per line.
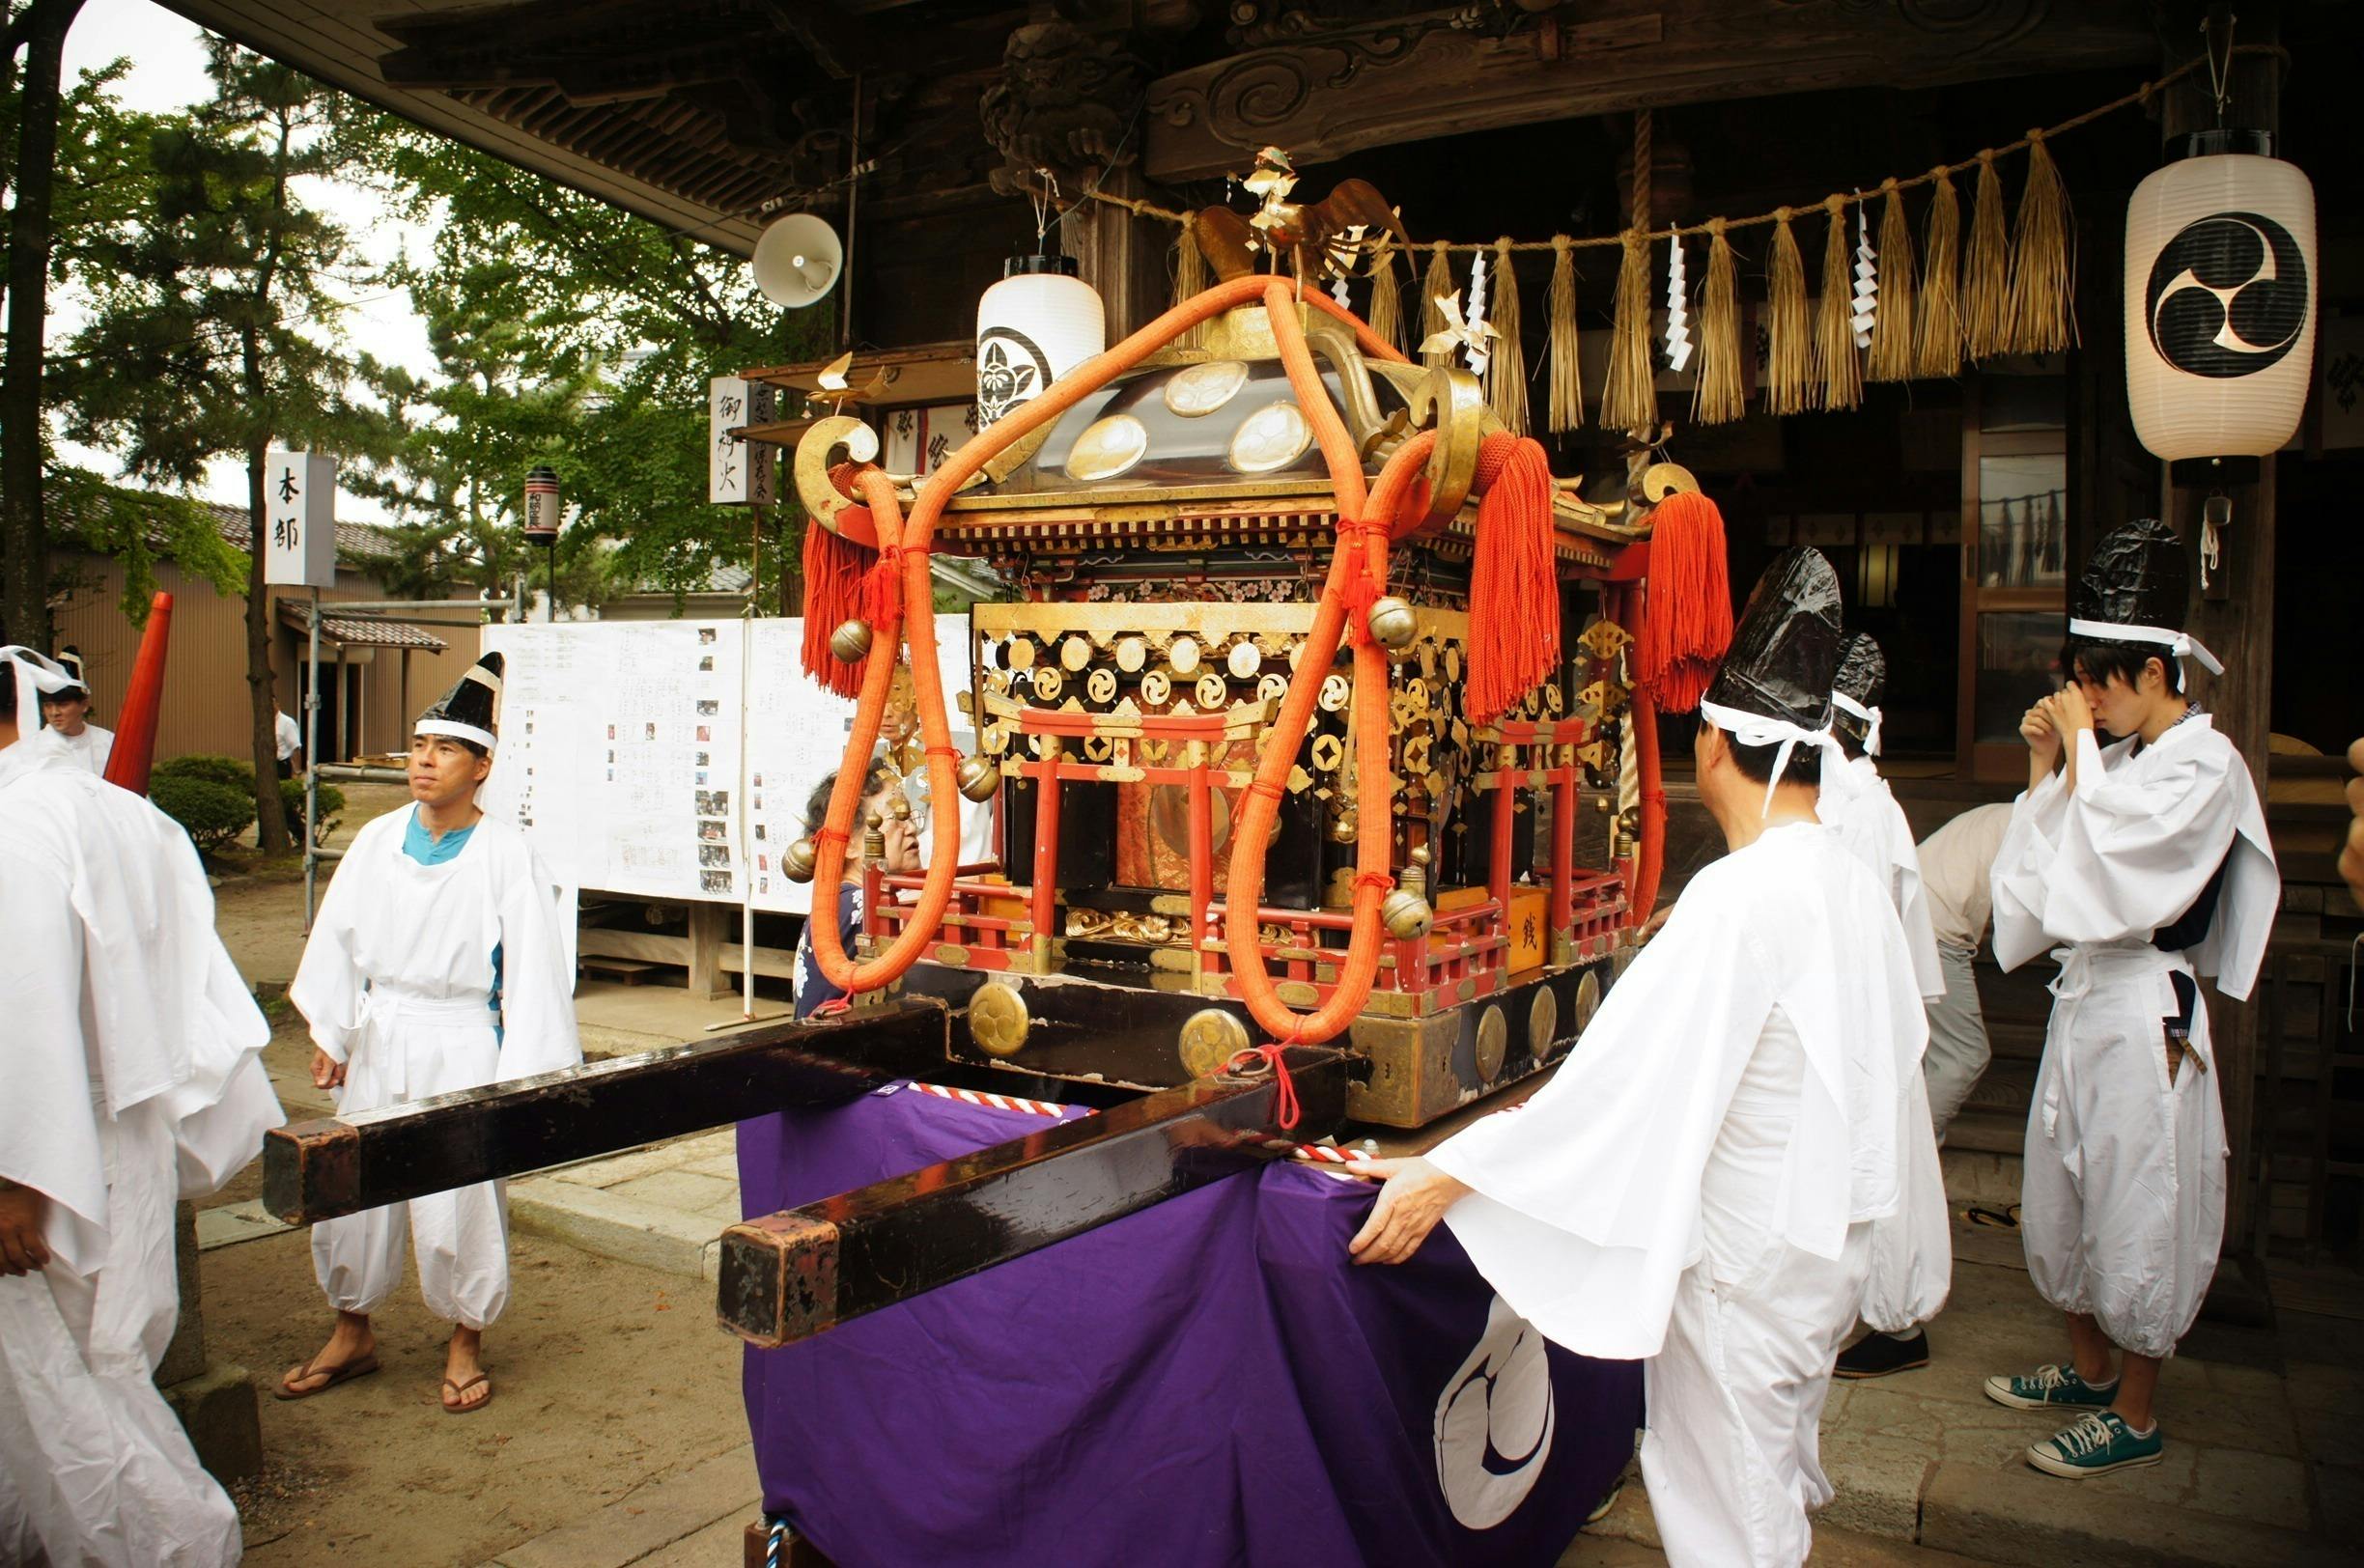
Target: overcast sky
[167, 55]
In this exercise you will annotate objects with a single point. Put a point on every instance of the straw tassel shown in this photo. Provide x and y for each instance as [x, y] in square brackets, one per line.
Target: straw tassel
[1387, 296]
[1505, 377]
[1630, 400]
[1938, 331]
[1564, 405]
[1190, 279]
[1788, 340]
[2042, 317]
[1892, 335]
[1836, 369]
[1720, 396]
[1436, 285]
[1987, 270]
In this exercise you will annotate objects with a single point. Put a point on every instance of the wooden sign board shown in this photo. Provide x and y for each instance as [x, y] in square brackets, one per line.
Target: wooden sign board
[298, 536]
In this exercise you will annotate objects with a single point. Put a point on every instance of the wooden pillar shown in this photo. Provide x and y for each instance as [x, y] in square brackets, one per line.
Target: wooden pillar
[344, 703]
[1127, 259]
[707, 922]
[2234, 617]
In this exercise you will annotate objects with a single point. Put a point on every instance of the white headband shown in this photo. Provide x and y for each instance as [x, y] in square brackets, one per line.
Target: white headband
[458, 731]
[2178, 644]
[1757, 730]
[1870, 716]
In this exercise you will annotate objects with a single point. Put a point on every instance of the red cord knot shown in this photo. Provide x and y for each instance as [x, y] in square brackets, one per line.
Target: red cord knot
[1268, 788]
[950, 754]
[1381, 882]
[826, 835]
[842, 478]
[834, 1007]
[1285, 1087]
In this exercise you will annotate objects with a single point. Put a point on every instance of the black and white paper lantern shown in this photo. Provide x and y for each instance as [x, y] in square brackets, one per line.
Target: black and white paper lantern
[1036, 324]
[2221, 286]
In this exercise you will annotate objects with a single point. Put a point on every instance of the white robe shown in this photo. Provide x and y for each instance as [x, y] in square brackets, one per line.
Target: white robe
[1911, 1251]
[87, 750]
[397, 983]
[1693, 1186]
[2123, 1206]
[133, 1079]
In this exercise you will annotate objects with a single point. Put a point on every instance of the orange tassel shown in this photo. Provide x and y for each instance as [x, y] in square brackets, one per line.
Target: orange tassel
[1688, 627]
[1514, 584]
[837, 573]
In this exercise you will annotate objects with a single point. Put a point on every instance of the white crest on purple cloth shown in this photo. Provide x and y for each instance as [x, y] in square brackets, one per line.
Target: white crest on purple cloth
[1494, 1422]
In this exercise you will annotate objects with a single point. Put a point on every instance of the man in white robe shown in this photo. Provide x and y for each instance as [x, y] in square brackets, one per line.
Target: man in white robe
[440, 961]
[132, 1080]
[66, 719]
[2140, 866]
[1912, 1250]
[1697, 1182]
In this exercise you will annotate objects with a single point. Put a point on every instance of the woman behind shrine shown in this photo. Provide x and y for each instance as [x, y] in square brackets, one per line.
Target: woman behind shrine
[882, 793]
[442, 960]
[2139, 867]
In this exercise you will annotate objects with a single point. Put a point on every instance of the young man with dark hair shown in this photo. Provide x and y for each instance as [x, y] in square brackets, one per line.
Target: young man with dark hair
[132, 1080]
[1695, 1186]
[441, 959]
[2139, 867]
[65, 718]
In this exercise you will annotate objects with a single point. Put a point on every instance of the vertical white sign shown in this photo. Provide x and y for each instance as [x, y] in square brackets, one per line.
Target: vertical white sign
[738, 473]
[299, 520]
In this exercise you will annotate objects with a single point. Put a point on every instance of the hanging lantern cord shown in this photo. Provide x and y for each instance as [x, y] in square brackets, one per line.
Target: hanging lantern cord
[2220, 66]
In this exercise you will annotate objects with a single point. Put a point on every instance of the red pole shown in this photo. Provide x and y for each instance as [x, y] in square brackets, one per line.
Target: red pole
[1201, 852]
[135, 724]
[1046, 856]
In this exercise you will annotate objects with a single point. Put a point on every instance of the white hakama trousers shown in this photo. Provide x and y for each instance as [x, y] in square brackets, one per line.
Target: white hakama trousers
[95, 1468]
[1731, 1454]
[410, 1048]
[2123, 1200]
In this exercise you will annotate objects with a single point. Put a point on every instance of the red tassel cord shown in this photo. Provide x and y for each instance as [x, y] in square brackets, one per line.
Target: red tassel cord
[837, 590]
[1687, 628]
[1514, 584]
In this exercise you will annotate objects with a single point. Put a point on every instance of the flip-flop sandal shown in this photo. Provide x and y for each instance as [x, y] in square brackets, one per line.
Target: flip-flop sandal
[346, 1373]
[1993, 1219]
[451, 1388]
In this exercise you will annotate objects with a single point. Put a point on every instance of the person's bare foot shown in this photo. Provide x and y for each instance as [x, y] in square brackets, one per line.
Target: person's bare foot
[466, 1384]
[351, 1346]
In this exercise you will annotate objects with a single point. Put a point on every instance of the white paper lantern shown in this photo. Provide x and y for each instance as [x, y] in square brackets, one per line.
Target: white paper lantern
[1036, 324]
[2220, 284]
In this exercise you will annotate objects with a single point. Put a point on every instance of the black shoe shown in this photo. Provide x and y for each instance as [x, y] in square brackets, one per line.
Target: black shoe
[1876, 1355]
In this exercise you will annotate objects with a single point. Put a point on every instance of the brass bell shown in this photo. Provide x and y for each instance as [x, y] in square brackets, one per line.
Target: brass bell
[850, 643]
[798, 860]
[1342, 830]
[1393, 622]
[978, 778]
[1406, 915]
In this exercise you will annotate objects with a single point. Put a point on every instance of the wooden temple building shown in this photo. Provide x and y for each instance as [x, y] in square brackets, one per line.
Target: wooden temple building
[1957, 508]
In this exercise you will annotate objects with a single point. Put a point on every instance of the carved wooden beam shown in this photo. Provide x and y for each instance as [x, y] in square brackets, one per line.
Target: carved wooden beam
[1412, 78]
[788, 1277]
[319, 1170]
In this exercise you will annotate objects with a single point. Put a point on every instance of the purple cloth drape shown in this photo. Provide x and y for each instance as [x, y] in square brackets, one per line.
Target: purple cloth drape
[1208, 1381]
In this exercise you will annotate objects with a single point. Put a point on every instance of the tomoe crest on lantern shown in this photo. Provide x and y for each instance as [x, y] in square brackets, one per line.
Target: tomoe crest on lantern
[2221, 291]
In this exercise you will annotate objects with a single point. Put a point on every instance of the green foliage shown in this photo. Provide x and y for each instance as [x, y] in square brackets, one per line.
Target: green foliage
[331, 802]
[572, 333]
[212, 797]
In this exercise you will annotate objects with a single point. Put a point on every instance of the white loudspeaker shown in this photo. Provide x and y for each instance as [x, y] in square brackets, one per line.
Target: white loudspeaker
[798, 260]
[2221, 280]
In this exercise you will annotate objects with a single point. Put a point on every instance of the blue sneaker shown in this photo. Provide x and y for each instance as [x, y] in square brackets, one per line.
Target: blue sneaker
[2051, 1387]
[2097, 1443]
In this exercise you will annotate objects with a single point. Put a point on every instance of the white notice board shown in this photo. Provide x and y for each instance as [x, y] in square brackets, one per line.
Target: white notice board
[641, 758]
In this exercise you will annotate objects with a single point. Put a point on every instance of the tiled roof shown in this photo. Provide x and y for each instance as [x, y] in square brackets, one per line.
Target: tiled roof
[357, 544]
